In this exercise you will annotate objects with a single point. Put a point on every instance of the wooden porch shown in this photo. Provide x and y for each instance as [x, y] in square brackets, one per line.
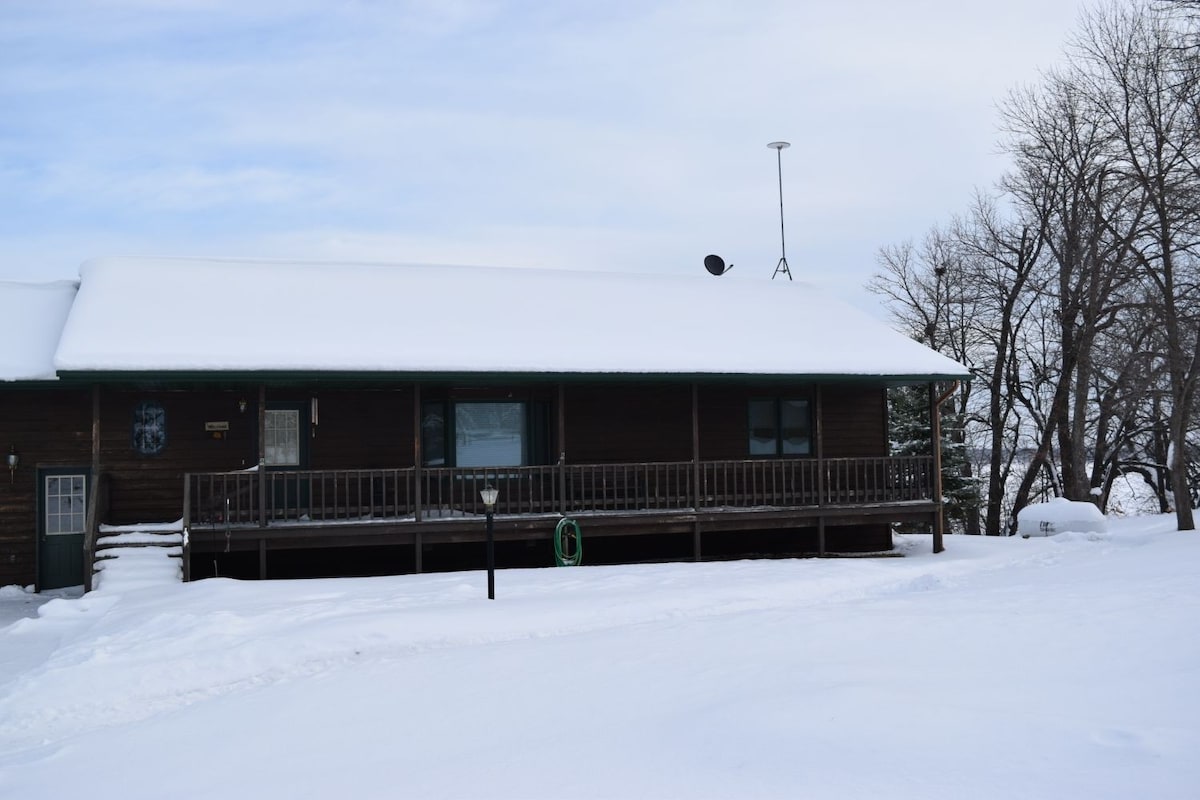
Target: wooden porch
[282, 509]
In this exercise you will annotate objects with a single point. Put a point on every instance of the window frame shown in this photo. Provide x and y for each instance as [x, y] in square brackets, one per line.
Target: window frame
[777, 406]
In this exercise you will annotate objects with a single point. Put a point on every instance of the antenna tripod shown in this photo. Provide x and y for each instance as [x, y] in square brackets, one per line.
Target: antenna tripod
[782, 266]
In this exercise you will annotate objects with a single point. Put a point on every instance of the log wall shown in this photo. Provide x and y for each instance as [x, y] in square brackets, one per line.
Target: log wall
[48, 428]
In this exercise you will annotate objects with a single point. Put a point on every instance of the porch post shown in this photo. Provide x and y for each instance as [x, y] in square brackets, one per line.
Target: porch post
[696, 457]
[819, 438]
[935, 432]
[819, 423]
[696, 554]
[89, 536]
[262, 455]
[416, 420]
[562, 447]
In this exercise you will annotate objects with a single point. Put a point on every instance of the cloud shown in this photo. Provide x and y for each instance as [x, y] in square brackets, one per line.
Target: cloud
[628, 133]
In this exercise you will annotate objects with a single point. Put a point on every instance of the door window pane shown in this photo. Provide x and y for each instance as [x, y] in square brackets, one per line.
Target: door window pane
[489, 434]
[282, 442]
[66, 504]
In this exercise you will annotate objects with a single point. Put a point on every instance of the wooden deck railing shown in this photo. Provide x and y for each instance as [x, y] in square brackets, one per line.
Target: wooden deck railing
[347, 496]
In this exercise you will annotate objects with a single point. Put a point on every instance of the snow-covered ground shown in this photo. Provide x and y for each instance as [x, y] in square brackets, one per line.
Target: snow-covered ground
[1063, 667]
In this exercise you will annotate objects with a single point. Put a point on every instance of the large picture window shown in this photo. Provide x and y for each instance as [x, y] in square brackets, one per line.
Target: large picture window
[780, 427]
[475, 434]
[489, 434]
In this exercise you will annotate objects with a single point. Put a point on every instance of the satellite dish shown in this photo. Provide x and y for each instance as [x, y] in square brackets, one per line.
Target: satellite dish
[716, 265]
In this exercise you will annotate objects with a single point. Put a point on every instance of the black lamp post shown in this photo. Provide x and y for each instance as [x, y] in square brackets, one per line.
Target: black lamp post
[488, 494]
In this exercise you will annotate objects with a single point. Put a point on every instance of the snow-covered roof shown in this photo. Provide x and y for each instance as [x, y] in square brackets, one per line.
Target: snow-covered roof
[33, 316]
[201, 315]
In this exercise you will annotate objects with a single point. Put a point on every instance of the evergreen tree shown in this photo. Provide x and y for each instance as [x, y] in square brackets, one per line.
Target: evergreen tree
[910, 434]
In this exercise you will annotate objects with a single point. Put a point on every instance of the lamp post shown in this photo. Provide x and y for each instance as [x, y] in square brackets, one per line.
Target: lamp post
[488, 494]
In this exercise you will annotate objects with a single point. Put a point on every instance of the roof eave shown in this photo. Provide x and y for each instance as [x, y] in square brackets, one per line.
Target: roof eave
[360, 377]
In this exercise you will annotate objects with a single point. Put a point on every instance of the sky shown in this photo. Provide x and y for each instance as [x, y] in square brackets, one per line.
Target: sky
[625, 135]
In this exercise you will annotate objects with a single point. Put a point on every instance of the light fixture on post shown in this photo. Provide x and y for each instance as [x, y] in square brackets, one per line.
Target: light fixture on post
[782, 266]
[13, 460]
[488, 495]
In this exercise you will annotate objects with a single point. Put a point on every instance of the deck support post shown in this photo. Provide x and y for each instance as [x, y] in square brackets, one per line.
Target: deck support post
[262, 559]
[935, 432]
[821, 536]
[417, 552]
[696, 555]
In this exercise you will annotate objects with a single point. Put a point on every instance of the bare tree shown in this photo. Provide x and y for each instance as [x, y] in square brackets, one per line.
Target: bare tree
[1133, 67]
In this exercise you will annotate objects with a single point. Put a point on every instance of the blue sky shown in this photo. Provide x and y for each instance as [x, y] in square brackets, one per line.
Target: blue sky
[601, 135]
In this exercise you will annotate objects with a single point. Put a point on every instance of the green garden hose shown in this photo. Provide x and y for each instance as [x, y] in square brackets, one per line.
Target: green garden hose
[565, 532]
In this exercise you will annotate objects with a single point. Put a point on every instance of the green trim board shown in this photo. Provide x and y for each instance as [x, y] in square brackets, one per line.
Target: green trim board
[482, 378]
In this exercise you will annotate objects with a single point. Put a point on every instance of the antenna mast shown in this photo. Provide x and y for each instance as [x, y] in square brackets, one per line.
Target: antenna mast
[782, 266]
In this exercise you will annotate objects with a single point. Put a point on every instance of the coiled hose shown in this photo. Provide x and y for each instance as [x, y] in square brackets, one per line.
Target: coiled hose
[566, 534]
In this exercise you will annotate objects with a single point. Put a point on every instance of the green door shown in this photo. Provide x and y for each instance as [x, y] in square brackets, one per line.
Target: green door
[286, 450]
[62, 520]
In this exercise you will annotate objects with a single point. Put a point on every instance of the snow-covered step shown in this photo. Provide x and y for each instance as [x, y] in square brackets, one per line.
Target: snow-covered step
[136, 556]
[139, 567]
[139, 538]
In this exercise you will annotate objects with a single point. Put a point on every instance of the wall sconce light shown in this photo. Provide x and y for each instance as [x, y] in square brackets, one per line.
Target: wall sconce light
[13, 460]
[242, 406]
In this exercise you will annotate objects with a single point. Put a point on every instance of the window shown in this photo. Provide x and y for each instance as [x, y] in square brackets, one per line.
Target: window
[66, 504]
[489, 434]
[149, 428]
[779, 427]
[433, 434]
[282, 443]
[484, 434]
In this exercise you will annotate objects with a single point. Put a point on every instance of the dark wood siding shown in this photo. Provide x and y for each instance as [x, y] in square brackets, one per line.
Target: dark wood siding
[361, 429]
[48, 428]
[855, 421]
[610, 423]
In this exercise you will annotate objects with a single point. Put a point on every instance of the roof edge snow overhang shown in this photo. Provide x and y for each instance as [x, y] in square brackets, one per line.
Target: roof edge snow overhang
[276, 377]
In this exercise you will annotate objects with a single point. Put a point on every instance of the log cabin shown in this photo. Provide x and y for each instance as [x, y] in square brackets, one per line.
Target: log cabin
[292, 413]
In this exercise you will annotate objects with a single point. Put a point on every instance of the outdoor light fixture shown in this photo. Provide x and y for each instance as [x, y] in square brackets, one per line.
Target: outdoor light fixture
[13, 460]
[488, 495]
[242, 406]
